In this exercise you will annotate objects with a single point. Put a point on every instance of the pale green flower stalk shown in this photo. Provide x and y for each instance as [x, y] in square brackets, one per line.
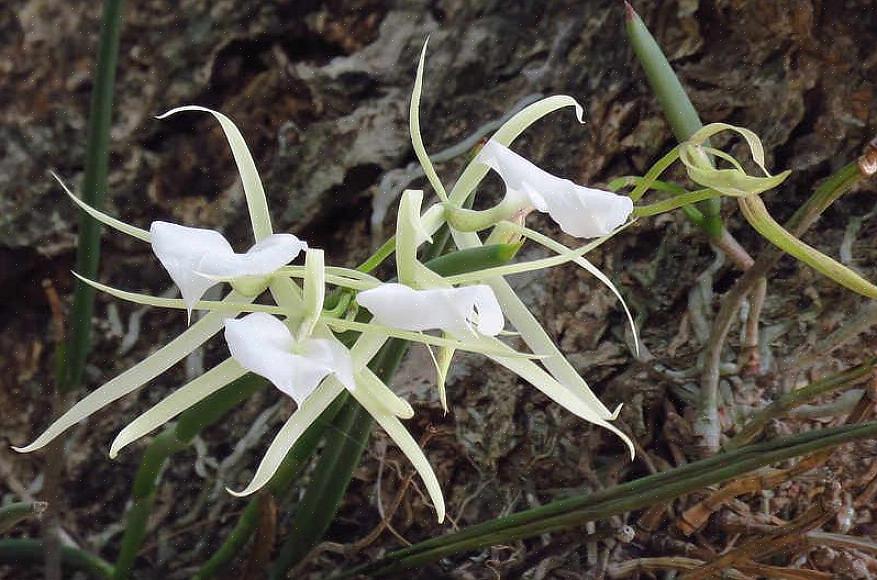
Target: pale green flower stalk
[735, 182]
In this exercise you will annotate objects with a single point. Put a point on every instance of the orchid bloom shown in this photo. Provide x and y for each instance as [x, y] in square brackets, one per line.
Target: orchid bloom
[580, 211]
[558, 379]
[299, 354]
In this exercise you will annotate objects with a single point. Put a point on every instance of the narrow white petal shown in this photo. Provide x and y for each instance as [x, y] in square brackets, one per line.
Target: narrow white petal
[181, 249]
[410, 234]
[308, 412]
[533, 334]
[400, 435]
[263, 259]
[257, 204]
[135, 377]
[100, 216]
[511, 129]
[589, 267]
[177, 402]
[229, 308]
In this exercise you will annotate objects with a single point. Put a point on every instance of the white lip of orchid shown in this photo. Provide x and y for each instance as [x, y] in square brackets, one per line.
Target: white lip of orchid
[264, 345]
[197, 258]
[580, 211]
[455, 310]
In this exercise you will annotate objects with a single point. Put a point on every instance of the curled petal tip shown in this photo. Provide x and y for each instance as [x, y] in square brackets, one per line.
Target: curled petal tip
[629, 12]
[25, 449]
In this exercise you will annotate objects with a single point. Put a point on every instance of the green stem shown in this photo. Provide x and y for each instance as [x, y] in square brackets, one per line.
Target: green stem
[28, 553]
[94, 187]
[171, 440]
[292, 465]
[14, 513]
[753, 428]
[680, 113]
[643, 492]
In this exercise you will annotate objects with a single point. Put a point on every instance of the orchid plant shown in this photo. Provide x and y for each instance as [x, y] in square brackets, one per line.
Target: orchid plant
[293, 342]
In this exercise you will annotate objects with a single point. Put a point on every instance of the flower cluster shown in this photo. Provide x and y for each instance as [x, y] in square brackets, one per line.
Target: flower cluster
[293, 342]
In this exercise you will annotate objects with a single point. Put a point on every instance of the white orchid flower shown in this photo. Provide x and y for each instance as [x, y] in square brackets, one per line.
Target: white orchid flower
[459, 311]
[582, 212]
[190, 254]
[264, 345]
[561, 382]
[197, 259]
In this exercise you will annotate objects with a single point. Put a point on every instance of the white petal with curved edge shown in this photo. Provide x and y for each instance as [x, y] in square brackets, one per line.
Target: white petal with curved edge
[135, 377]
[103, 218]
[308, 412]
[180, 249]
[189, 394]
[400, 435]
[511, 129]
[450, 309]
[257, 204]
[580, 211]
[264, 345]
[264, 258]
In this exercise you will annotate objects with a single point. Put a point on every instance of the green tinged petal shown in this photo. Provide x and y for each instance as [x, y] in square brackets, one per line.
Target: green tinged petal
[177, 402]
[257, 204]
[103, 218]
[406, 443]
[135, 377]
[314, 290]
[414, 129]
[379, 391]
[308, 412]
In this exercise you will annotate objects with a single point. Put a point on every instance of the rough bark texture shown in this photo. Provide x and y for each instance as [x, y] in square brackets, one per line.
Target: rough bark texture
[320, 90]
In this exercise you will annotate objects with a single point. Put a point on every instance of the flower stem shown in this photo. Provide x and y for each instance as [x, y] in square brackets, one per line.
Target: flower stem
[26, 552]
[171, 440]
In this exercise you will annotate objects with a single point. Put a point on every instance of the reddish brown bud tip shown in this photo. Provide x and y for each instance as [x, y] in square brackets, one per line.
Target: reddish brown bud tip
[629, 12]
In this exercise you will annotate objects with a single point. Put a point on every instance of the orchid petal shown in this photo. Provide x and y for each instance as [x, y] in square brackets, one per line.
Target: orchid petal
[580, 211]
[533, 334]
[135, 377]
[263, 344]
[257, 204]
[367, 379]
[511, 129]
[307, 412]
[263, 259]
[450, 309]
[180, 250]
[410, 234]
[414, 129]
[177, 402]
[590, 268]
[103, 218]
[314, 290]
[406, 443]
